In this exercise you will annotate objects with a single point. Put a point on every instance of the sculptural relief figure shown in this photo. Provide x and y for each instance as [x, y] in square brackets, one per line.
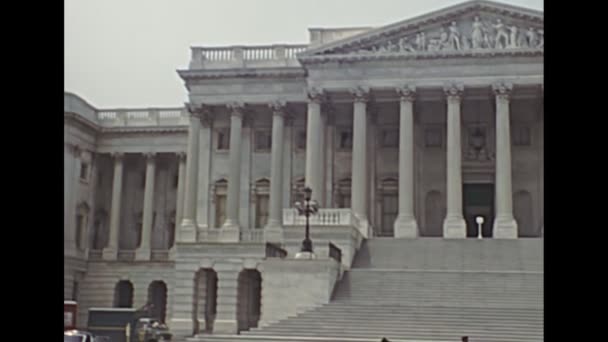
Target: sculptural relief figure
[391, 47]
[465, 43]
[502, 38]
[421, 41]
[434, 45]
[454, 37]
[531, 37]
[513, 37]
[541, 34]
[444, 39]
[405, 46]
[477, 34]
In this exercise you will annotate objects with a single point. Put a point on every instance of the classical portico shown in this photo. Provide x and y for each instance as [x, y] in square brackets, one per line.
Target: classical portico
[403, 132]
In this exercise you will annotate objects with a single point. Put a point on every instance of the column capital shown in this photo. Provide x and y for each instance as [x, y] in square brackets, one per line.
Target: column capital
[502, 90]
[236, 109]
[118, 156]
[278, 107]
[360, 94]
[150, 156]
[453, 90]
[315, 94]
[406, 93]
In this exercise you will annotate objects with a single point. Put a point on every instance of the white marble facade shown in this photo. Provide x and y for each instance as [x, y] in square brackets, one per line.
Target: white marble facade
[415, 127]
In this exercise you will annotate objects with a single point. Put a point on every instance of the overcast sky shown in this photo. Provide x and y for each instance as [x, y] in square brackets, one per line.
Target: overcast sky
[125, 53]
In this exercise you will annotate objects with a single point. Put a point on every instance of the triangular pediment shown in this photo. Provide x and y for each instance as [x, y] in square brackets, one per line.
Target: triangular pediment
[471, 27]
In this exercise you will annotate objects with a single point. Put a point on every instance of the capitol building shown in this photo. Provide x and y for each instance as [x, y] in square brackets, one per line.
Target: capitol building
[422, 142]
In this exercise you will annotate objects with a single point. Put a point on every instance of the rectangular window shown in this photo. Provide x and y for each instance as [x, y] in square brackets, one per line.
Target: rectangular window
[433, 137]
[345, 139]
[344, 201]
[389, 138]
[522, 136]
[261, 211]
[301, 139]
[75, 290]
[79, 230]
[220, 210]
[263, 140]
[223, 139]
[390, 209]
[84, 171]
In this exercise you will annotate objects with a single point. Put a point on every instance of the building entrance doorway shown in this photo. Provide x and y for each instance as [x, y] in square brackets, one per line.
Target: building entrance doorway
[478, 200]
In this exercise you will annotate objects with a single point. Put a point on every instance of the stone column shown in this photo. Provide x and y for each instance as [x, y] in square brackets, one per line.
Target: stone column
[143, 252]
[454, 225]
[405, 224]
[181, 175]
[187, 231]
[227, 294]
[111, 250]
[359, 158]
[505, 226]
[274, 229]
[313, 176]
[231, 228]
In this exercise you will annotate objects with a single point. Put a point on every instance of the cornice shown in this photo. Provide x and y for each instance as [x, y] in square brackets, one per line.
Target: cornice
[383, 56]
[165, 129]
[189, 75]
[82, 120]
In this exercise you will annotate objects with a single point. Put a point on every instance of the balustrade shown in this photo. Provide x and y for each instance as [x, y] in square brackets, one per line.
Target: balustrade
[324, 217]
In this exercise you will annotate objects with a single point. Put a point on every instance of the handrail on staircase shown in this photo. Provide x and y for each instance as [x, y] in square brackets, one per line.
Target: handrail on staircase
[335, 252]
[275, 251]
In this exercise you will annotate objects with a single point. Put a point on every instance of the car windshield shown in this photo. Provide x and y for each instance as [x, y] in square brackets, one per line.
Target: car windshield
[73, 338]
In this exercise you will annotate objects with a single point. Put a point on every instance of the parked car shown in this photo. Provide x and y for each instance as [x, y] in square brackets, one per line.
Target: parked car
[82, 336]
[152, 330]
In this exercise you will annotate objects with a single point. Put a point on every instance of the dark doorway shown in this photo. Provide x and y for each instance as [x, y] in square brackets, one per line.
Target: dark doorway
[478, 200]
[123, 294]
[205, 303]
[249, 299]
[157, 296]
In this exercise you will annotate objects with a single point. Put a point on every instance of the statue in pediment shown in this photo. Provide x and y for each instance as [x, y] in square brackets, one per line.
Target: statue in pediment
[513, 37]
[405, 46]
[502, 38]
[541, 34]
[421, 41]
[454, 38]
[531, 37]
[444, 41]
[477, 34]
[434, 44]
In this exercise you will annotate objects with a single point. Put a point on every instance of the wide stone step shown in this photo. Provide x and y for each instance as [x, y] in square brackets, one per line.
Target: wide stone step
[452, 334]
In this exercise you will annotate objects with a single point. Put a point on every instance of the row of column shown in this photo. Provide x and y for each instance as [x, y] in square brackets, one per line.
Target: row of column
[143, 252]
[405, 223]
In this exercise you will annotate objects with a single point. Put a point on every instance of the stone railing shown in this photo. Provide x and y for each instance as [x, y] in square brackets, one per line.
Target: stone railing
[252, 235]
[265, 55]
[143, 117]
[275, 251]
[335, 252]
[324, 217]
[126, 255]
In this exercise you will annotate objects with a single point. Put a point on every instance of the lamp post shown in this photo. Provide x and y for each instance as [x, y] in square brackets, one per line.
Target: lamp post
[307, 208]
[479, 221]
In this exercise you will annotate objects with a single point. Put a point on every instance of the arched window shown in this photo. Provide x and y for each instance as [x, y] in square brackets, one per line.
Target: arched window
[220, 189]
[123, 294]
[342, 193]
[262, 199]
[157, 296]
[205, 299]
[82, 217]
[434, 213]
[522, 211]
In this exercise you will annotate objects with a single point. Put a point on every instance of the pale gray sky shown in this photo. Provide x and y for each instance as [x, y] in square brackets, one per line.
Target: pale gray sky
[125, 53]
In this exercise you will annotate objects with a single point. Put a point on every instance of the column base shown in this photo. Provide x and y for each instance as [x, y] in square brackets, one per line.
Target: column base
[273, 232]
[202, 233]
[454, 228]
[181, 327]
[504, 228]
[406, 227]
[305, 255]
[225, 326]
[143, 254]
[187, 231]
[109, 254]
[230, 232]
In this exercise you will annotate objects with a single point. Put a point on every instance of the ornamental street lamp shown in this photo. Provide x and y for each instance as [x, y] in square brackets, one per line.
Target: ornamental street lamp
[479, 221]
[307, 208]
